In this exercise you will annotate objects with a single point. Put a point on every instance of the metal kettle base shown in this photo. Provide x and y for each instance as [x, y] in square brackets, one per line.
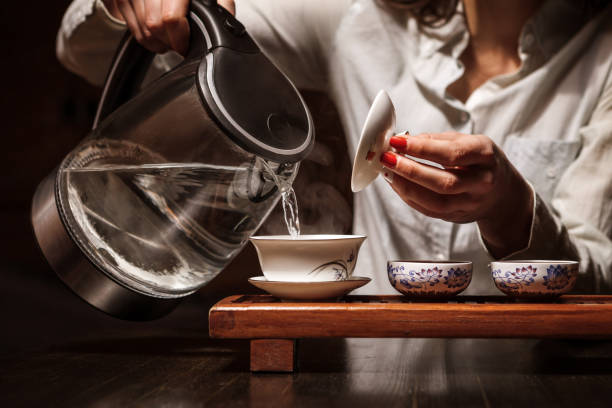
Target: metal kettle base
[76, 270]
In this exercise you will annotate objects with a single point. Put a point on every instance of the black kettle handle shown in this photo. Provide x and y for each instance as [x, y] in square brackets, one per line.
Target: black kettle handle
[132, 61]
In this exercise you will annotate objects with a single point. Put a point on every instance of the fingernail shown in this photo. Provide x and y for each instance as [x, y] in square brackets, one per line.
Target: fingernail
[388, 159]
[388, 176]
[398, 142]
[370, 155]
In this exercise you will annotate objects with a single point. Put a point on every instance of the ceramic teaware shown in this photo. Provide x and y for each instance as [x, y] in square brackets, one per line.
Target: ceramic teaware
[374, 140]
[377, 130]
[430, 279]
[309, 290]
[307, 258]
[534, 278]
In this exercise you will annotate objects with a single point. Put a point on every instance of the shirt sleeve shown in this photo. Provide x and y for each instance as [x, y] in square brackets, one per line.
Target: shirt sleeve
[298, 35]
[87, 39]
[577, 223]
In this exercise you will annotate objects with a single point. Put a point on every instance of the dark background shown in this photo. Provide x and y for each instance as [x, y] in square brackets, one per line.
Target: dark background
[55, 350]
[46, 110]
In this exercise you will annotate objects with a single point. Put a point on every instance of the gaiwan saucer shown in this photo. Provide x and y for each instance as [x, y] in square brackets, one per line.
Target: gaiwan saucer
[374, 140]
[309, 290]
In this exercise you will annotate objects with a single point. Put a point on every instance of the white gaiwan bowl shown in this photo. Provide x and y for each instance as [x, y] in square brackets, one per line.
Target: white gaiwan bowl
[430, 279]
[307, 258]
[534, 278]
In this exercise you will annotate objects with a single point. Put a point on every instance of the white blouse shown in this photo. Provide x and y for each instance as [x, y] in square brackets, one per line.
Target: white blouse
[553, 117]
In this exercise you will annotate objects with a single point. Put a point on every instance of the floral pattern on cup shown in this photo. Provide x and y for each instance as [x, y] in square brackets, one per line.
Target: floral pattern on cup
[515, 280]
[524, 279]
[557, 277]
[339, 268]
[457, 278]
[430, 281]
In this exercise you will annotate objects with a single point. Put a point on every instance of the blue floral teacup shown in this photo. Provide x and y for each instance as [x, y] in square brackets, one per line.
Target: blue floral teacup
[534, 278]
[430, 279]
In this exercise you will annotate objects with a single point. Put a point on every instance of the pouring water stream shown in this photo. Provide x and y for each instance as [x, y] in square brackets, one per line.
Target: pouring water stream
[289, 201]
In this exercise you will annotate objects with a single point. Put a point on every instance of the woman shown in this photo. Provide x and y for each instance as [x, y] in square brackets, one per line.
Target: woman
[514, 98]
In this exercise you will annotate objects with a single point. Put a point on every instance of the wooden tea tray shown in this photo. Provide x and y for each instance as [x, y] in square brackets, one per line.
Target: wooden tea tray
[273, 326]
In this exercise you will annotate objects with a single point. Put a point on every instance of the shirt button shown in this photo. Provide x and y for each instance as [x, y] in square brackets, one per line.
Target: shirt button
[464, 117]
[551, 172]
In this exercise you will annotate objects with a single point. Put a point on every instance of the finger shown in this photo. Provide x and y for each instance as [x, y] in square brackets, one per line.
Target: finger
[439, 136]
[174, 17]
[111, 6]
[447, 149]
[473, 179]
[229, 5]
[130, 18]
[433, 204]
[139, 10]
[153, 21]
[451, 135]
[126, 10]
[149, 39]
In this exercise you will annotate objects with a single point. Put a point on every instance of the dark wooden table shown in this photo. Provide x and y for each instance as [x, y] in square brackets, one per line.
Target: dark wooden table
[57, 351]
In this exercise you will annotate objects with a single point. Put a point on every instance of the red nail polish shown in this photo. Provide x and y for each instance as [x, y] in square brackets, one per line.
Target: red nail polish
[388, 159]
[398, 142]
[370, 155]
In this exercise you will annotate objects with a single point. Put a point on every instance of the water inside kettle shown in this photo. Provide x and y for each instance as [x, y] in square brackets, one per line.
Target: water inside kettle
[166, 227]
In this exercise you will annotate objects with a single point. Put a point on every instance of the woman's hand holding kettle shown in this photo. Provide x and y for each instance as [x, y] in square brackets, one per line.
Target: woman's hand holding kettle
[158, 25]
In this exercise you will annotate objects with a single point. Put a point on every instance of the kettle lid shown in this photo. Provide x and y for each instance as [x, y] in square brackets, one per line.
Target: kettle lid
[250, 98]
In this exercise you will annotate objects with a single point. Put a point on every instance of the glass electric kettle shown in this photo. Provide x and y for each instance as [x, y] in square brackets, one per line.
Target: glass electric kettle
[175, 175]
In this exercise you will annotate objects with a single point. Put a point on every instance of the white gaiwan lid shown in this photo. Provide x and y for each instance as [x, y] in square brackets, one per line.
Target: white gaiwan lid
[374, 140]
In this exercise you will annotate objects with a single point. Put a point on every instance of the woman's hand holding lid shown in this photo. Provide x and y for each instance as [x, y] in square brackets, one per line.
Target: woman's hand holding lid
[476, 183]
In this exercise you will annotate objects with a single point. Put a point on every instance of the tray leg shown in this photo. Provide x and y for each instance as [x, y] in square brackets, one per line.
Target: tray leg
[273, 355]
